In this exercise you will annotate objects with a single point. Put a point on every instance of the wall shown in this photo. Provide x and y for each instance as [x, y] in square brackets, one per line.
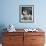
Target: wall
[10, 13]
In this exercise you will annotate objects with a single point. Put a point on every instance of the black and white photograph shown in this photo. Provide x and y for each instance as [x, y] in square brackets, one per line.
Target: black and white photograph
[26, 13]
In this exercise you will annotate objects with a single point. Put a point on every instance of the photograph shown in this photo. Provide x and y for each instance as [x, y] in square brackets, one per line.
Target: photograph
[26, 13]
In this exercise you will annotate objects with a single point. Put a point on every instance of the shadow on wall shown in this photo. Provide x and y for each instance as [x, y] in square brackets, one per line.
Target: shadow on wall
[2, 26]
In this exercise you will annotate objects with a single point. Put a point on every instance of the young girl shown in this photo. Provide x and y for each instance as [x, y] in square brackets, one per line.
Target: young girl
[26, 14]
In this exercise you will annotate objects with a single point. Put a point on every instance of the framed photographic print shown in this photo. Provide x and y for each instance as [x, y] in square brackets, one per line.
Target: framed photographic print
[26, 13]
